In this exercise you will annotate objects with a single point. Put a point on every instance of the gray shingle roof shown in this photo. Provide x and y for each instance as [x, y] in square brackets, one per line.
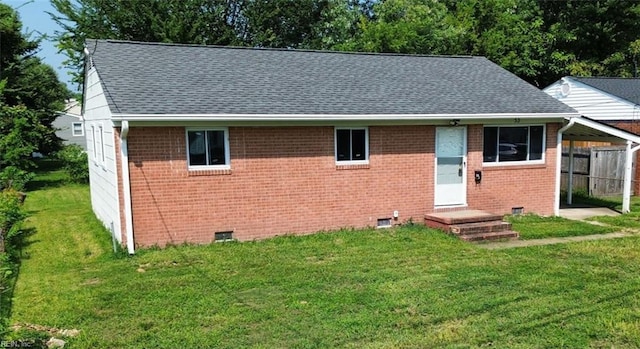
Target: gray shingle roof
[151, 78]
[625, 88]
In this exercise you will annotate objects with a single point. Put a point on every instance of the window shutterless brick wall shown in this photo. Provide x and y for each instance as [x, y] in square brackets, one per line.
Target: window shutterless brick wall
[504, 187]
[284, 180]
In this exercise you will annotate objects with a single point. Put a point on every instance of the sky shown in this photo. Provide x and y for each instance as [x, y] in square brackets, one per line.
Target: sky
[36, 20]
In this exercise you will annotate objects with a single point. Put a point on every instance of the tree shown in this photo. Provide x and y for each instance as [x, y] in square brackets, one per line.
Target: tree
[405, 26]
[281, 23]
[508, 32]
[591, 38]
[30, 95]
[211, 22]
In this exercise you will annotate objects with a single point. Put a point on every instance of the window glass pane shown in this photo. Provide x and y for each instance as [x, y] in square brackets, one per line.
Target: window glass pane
[343, 145]
[197, 151]
[513, 144]
[449, 142]
[358, 145]
[77, 129]
[490, 150]
[216, 147]
[101, 143]
[535, 143]
[449, 170]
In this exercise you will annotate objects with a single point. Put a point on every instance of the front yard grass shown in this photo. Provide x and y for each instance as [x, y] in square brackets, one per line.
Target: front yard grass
[409, 287]
[536, 227]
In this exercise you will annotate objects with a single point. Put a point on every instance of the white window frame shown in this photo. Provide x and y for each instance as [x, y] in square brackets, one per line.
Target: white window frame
[94, 143]
[366, 146]
[73, 129]
[518, 163]
[102, 155]
[227, 156]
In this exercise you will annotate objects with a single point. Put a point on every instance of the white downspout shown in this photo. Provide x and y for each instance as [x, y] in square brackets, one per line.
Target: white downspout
[126, 185]
[559, 164]
[626, 191]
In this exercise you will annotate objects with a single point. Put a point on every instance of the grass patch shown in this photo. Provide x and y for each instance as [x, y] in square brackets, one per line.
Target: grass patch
[409, 287]
[536, 227]
[629, 220]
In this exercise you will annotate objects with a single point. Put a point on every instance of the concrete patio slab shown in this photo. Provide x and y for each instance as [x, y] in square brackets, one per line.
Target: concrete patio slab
[581, 213]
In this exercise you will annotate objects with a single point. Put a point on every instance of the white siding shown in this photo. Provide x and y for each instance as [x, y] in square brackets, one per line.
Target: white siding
[102, 173]
[592, 102]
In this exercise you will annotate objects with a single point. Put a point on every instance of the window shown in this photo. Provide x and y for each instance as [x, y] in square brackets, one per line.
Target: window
[208, 148]
[101, 131]
[77, 129]
[513, 144]
[94, 143]
[352, 145]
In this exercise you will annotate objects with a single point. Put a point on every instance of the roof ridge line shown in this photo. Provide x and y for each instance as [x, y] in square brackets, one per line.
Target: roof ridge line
[231, 47]
[605, 77]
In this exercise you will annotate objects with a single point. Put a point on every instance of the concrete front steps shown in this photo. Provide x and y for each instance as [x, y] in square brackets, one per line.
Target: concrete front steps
[472, 225]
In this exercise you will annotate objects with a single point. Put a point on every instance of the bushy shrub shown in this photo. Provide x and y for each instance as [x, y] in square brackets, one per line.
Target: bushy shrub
[75, 163]
[14, 178]
[11, 216]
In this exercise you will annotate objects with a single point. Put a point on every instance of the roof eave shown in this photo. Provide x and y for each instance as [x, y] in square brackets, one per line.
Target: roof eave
[333, 117]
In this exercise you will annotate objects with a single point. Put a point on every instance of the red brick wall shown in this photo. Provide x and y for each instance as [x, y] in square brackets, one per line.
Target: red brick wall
[285, 180]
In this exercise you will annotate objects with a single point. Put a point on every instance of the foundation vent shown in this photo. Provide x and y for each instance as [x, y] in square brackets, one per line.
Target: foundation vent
[384, 223]
[222, 236]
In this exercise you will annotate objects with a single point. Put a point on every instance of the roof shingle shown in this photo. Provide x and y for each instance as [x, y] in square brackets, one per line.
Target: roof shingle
[625, 88]
[152, 78]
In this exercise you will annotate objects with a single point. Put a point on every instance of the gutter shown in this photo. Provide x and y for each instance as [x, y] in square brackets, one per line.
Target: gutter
[126, 185]
[556, 209]
[332, 117]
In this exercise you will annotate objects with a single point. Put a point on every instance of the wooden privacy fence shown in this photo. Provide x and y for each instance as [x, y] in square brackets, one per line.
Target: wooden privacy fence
[598, 171]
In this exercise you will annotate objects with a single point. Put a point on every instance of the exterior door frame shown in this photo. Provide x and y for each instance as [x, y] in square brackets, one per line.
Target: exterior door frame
[455, 193]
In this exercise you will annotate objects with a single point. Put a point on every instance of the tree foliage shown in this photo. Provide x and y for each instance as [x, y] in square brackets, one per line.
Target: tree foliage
[75, 163]
[539, 40]
[30, 95]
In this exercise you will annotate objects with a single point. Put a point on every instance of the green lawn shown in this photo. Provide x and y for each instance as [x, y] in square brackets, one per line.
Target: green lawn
[402, 288]
[536, 227]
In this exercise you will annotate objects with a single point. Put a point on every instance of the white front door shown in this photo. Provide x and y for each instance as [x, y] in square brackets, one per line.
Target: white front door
[451, 164]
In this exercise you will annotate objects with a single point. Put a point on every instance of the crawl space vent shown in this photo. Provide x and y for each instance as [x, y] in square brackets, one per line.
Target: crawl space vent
[384, 223]
[224, 236]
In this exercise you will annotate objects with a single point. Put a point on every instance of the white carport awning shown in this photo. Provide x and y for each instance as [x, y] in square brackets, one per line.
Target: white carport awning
[585, 129]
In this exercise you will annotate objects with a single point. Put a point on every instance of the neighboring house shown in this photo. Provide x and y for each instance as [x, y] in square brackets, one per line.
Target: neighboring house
[69, 125]
[197, 143]
[613, 101]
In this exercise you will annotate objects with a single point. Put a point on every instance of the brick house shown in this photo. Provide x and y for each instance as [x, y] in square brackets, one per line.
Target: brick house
[198, 143]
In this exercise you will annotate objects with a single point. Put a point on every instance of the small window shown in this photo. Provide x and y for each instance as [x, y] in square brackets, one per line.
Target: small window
[208, 148]
[352, 145]
[512, 144]
[77, 129]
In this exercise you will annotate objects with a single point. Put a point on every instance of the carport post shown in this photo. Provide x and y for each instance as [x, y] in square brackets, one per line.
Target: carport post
[626, 191]
[556, 203]
[570, 179]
